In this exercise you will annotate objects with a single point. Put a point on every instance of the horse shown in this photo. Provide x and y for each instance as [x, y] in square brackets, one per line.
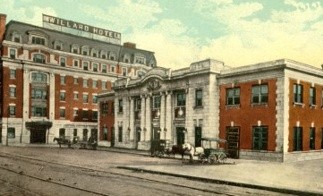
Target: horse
[192, 151]
[176, 149]
[61, 141]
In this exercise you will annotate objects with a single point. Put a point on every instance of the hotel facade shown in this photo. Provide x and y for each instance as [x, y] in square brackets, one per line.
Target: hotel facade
[51, 77]
[266, 111]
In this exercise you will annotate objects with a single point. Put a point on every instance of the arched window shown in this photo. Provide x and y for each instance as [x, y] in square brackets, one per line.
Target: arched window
[103, 54]
[16, 37]
[39, 58]
[94, 53]
[112, 56]
[126, 58]
[58, 45]
[75, 49]
[85, 50]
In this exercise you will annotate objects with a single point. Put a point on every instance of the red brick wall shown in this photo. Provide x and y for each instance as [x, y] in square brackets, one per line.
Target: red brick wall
[246, 116]
[2, 25]
[305, 115]
[107, 120]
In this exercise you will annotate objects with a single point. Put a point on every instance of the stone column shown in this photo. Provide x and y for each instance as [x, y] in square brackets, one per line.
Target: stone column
[169, 115]
[142, 117]
[148, 118]
[25, 134]
[132, 119]
[162, 116]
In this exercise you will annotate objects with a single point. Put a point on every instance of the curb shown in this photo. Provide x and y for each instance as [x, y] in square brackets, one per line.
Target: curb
[231, 183]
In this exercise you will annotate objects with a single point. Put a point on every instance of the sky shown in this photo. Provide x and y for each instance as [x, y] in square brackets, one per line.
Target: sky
[237, 32]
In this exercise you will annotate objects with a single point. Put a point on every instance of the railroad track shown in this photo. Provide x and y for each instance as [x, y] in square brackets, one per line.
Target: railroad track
[98, 173]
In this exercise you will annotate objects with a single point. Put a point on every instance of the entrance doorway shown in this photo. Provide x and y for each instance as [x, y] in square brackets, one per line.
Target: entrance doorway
[112, 136]
[156, 133]
[180, 136]
[0, 135]
[94, 134]
[198, 136]
[137, 136]
[233, 145]
[38, 136]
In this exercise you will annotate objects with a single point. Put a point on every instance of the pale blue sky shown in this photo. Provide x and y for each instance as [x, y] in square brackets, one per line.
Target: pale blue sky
[238, 32]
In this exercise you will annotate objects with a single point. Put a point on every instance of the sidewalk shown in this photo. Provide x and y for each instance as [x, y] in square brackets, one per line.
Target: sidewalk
[300, 178]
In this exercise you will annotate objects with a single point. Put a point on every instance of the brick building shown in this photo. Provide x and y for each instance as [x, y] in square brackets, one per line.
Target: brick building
[267, 111]
[50, 79]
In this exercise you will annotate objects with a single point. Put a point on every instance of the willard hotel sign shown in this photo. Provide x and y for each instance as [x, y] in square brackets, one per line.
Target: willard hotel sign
[81, 29]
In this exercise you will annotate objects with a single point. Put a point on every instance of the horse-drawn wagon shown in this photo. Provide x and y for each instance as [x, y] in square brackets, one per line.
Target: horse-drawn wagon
[76, 142]
[159, 147]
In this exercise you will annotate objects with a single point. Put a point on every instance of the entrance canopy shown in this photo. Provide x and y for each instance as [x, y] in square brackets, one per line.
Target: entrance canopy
[39, 125]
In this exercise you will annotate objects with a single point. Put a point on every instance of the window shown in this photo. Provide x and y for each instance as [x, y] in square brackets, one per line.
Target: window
[39, 58]
[12, 74]
[95, 99]
[95, 115]
[138, 104]
[94, 83]
[112, 108]
[38, 40]
[85, 114]
[104, 108]
[260, 94]
[198, 97]
[94, 53]
[39, 77]
[112, 69]
[85, 50]
[62, 112]
[12, 53]
[62, 96]
[198, 136]
[63, 81]
[76, 96]
[104, 68]
[95, 67]
[75, 112]
[140, 60]
[62, 133]
[233, 96]
[75, 49]
[85, 83]
[124, 71]
[298, 139]
[298, 93]
[112, 56]
[76, 81]
[75, 133]
[11, 132]
[105, 133]
[103, 54]
[260, 137]
[12, 92]
[120, 106]
[58, 45]
[62, 62]
[156, 100]
[181, 99]
[312, 96]
[38, 111]
[120, 134]
[85, 98]
[312, 138]
[85, 66]
[16, 37]
[85, 134]
[76, 63]
[12, 110]
[38, 93]
[104, 85]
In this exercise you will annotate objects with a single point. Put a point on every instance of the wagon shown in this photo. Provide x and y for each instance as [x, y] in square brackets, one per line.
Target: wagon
[213, 153]
[159, 147]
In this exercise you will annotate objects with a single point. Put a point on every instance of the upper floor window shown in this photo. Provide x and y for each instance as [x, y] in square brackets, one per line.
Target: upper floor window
[298, 93]
[260, 93]
[95, 99]
[124, 71]
[104, 85]
[94, 53]
[58, 45]
[12, 91]
[62, 96]
[103, 54]
[39, 77]
[156, 101]
[312, 96]
[126, 58]
[63, 80]
[16, 37]
[120, 105]
[38, 93]
[76, 63]
[104, 68]
[85, 50]
[76, 81]
[85, 83]
[198, 97]
[62, 112]
[113, 69]
[95, 67]
[39, 58]
[62, 61]
[138, 104]
[233, 96]
[75, 49]
[95, 115]
[13, 74]
[140, 60]
[181, 99]
[38, 40]
[112, 56]
[38, 111]
[85, 65]
[94, 84]
[12, 53]
[12, 110]
[104, 108]
[85, 98]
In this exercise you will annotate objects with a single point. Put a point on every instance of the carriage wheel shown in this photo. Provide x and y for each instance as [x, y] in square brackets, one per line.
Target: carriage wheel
[211, 159]
[222, 158]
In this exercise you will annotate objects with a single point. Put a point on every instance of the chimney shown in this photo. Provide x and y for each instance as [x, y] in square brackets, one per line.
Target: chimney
[129, 45]
[2, 26]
